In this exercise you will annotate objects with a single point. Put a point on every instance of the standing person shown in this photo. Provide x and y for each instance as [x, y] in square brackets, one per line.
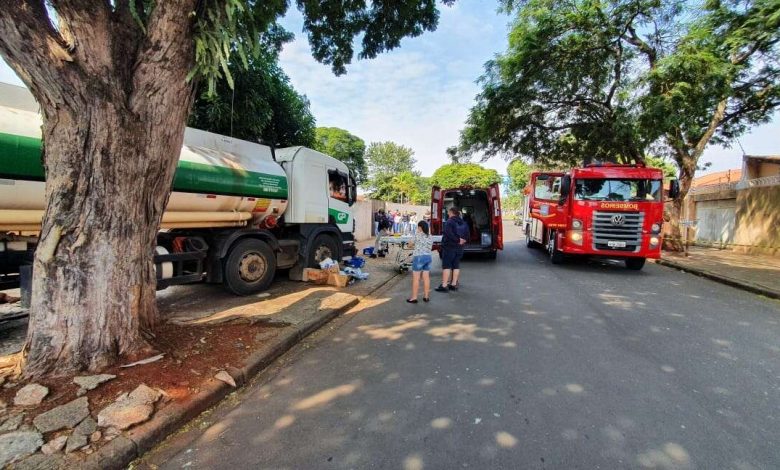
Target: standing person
[397, 221]
[377, 217]
[382, 230]
[421, 262]
[405, 223]
[452, 250]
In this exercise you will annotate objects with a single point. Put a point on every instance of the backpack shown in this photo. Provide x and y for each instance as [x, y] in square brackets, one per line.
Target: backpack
[463, 230]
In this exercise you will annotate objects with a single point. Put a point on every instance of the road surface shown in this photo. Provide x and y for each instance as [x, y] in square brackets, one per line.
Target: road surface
[530, 365]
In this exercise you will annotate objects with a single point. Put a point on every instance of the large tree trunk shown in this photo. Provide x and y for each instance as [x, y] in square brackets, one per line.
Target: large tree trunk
[675, 241]
[114, 105]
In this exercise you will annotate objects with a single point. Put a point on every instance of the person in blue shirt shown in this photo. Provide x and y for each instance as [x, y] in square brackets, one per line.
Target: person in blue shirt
[452, 243]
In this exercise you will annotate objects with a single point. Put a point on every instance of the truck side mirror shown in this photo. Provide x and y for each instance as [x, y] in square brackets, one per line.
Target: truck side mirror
[674, 189]
[565, 189]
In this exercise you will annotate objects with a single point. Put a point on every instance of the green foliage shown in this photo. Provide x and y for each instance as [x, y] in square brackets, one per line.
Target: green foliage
[453, 175]
[342, 145]
[409, 186]
[519, 173]
[670, 171]
[262, 106]
[387, 160]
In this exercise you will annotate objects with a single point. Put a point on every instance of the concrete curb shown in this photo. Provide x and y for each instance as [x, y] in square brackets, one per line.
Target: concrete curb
[738, 283]
[118, 453]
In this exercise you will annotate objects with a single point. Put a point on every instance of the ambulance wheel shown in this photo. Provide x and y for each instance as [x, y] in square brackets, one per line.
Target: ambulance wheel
[556, 257]
[250, 267]
[635, 264]
[324, 247]
[492, 254]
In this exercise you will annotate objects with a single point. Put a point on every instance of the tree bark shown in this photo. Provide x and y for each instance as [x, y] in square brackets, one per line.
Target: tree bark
[114, 108]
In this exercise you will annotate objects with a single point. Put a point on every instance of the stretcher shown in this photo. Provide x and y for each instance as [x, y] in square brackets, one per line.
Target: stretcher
[404, 249]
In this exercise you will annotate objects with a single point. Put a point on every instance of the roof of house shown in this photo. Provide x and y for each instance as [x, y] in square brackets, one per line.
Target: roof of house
[718, 177]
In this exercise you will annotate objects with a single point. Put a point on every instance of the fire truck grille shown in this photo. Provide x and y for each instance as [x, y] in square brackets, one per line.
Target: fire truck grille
[617, 231]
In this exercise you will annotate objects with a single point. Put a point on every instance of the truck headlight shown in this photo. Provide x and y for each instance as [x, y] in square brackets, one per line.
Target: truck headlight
[575, 236]
[656, 227]
[576, 224]
[654, 241]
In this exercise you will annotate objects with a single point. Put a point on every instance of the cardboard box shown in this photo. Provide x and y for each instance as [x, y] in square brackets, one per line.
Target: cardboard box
[334, 269]
[338, 280]
[318, 276]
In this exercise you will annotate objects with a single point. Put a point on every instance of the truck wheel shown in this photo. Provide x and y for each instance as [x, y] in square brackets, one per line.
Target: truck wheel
[324, 246]
[635, 264]
[250, 267]
[556, 257]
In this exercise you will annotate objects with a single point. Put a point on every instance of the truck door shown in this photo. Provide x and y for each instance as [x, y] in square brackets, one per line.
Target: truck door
[339, 200]
[497, 224]
[437, 201]
[545, 211]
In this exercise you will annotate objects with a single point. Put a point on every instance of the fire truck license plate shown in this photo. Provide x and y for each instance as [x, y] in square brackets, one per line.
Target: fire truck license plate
[614, 244]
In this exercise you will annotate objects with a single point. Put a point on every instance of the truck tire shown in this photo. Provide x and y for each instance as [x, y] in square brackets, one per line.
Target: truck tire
[635, 264]
[249, 267]
[556, 256]
[324, 246]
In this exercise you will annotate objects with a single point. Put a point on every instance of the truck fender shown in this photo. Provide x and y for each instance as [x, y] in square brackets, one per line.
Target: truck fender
[313, 232]
[225, 243]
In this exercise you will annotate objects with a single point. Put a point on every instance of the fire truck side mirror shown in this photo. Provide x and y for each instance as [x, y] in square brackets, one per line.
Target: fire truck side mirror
[674, 189]
[565, 189]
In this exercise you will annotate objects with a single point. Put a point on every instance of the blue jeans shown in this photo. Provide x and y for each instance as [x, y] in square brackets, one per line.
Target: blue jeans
[421, 263]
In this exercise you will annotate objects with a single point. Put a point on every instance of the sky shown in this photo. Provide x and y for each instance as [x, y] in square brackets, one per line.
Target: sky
[419, 95]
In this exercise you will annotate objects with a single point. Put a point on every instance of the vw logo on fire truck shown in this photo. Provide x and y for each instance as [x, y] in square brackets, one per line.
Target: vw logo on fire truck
[618, 219]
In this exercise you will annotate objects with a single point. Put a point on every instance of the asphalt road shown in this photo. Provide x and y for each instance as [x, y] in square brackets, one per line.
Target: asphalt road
[530, 365]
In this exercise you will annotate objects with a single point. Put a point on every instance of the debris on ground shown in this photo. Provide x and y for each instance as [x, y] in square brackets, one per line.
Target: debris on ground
[30, 395]
[8, 299]
[63, 416]
[90, 382]
[130, 409]
[225, 377]
[145, 361]
[16, 445]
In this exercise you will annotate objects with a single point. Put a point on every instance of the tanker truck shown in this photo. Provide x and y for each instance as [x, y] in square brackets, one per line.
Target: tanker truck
[238, 210]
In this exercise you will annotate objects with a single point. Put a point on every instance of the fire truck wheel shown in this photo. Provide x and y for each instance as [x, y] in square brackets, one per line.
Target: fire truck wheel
[635, 264]
[250, 267]
[556, 257]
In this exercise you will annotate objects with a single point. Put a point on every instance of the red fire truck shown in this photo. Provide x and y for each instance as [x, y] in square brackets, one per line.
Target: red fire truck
[603, 210]
[481, 210]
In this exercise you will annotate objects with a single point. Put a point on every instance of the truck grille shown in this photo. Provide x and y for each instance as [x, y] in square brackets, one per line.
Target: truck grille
[618, 228]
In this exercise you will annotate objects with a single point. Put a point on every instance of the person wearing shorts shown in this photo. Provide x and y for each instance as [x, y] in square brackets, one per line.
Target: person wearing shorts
[421, 262]
[451, 251]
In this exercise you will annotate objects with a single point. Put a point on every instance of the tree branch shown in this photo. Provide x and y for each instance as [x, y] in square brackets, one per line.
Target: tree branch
[650, 53]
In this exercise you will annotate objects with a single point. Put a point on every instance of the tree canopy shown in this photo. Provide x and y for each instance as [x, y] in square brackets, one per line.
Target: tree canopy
[519, 173]
[386, 161]
[453, 175]
[340, 144]
[262, 105]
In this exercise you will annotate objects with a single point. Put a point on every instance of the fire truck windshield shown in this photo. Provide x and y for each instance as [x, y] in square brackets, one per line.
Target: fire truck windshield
[617, 190]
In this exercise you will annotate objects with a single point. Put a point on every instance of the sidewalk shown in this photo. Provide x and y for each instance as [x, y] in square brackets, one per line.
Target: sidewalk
[754, 273]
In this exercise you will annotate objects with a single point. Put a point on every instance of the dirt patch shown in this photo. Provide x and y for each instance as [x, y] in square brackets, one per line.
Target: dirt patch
[193, 355]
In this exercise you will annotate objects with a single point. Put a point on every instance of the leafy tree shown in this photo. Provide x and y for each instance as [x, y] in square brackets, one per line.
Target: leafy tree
[115, 81]
[262, 105]
[519, 173]
[670, 171]
[453, 175]
[585, 80]
[342, 145]
[387, 160]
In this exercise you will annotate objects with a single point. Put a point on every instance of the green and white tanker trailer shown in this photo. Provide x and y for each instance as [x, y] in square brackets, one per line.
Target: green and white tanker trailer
[238, 210]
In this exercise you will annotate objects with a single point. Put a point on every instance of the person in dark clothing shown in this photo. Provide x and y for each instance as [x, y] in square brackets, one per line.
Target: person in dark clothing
[451, 250]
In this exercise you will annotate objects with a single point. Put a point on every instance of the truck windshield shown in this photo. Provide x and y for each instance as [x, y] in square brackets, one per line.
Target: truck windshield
[617, 190]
